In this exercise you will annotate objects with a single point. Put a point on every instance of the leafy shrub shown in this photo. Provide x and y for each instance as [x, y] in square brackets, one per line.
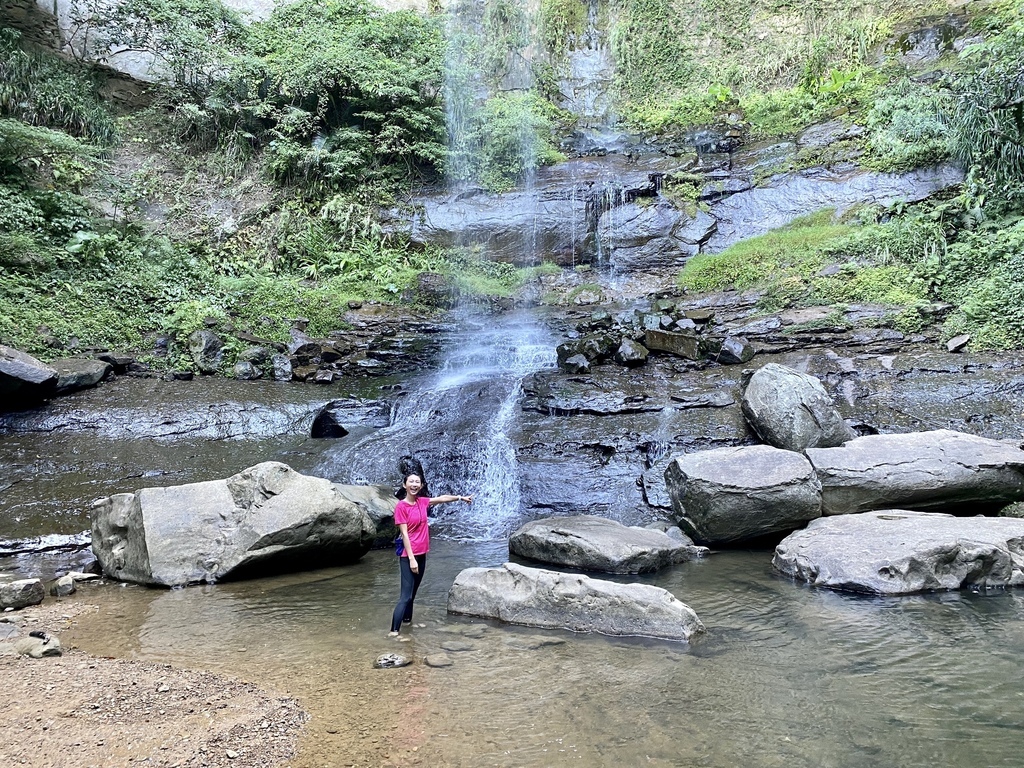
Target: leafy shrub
[987, 115]
[906, 128]
[41, 89]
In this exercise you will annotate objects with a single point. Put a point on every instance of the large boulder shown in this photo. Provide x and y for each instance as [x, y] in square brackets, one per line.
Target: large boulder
[538, 598]
[792, 410]
[731, 494]
[23, 377]
[598, 544]
[266, 517]
[378, 502]
[21, 594]
[921, 470]
[896, 552]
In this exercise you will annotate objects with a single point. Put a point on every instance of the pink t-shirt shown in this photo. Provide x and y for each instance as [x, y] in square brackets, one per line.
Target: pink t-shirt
[415, 517]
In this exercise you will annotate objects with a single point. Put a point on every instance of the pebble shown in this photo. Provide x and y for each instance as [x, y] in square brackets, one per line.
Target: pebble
[391, 661]
[438, 660]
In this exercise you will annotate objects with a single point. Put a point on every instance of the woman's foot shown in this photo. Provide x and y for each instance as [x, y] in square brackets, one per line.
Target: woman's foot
[393, 633]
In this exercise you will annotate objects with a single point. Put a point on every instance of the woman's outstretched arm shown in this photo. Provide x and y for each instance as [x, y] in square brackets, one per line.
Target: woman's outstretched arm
[447, 498]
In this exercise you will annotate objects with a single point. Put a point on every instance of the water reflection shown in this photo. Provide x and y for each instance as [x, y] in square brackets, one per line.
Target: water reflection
[786, 676]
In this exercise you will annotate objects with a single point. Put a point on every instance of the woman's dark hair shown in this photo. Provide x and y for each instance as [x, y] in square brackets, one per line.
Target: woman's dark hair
[424, 491]
[407, 465]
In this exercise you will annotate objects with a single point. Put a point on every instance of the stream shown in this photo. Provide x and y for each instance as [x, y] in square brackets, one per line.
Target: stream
[785, 676]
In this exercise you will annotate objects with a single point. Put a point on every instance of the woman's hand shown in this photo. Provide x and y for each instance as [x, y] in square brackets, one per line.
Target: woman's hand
[467, 499]
[413, 565]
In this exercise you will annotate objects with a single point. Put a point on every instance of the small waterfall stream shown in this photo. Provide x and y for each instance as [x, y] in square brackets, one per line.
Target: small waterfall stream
[457, 422]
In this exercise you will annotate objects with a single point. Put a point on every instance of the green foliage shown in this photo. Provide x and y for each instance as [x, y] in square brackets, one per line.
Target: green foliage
[982, 274]
[562, 23]
[339, 93]
[787, 254]
[987, 116]
[513, 136]
[906, 127]
[42, 90]
[351, 93]
[652, 58]
[190, 41]
[779, 113]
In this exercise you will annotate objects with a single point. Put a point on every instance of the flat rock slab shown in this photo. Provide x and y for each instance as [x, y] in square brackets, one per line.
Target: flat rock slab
[731, 494]
[598, 544]
[921, 470]
[539, 598]
[898, 552]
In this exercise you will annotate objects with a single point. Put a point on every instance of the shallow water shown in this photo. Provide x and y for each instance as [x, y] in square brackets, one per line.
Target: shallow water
[786, 676]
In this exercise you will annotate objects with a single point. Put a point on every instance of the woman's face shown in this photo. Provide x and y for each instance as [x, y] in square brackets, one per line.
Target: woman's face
[412, 484]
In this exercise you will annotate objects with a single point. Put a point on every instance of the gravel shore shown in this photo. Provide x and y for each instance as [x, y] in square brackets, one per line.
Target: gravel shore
[81, 710]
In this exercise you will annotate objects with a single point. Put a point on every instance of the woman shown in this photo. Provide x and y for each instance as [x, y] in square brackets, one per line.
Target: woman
[411, 519]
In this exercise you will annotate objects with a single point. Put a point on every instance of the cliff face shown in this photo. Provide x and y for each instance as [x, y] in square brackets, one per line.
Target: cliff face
[33, 20]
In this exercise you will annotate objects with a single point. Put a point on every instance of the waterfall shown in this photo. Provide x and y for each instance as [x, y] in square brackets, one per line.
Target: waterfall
[459, 422]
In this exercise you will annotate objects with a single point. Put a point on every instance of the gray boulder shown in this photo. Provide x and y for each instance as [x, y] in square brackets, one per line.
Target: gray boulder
[896, 552]
[538, 598]
[378, 502]
[266, 517]
[282, 367]
[23, 377]
[79, 373]
[921, 470]
[63, 586]
[598, 544]
[735, 351]
[207, 351]
[630, 354]
[731, 494]
[21, 594]
[792, 410]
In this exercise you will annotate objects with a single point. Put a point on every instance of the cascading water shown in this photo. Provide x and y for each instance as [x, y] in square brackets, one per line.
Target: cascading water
[458, 423]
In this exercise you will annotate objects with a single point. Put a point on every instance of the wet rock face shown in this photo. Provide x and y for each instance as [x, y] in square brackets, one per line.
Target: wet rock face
[792, 410]
[267, 516]
[898, 552]
[732, 494]
[332, 419]
[597, 544]
[538, 598]
[923, 470]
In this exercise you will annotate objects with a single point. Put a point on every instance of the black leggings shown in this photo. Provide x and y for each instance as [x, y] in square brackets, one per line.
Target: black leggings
[410, 585]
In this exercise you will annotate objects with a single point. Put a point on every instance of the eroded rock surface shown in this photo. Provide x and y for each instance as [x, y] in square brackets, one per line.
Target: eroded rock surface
[539, 598]
[598, 544]
[922, 470]
[896, 552]
[267, 516]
